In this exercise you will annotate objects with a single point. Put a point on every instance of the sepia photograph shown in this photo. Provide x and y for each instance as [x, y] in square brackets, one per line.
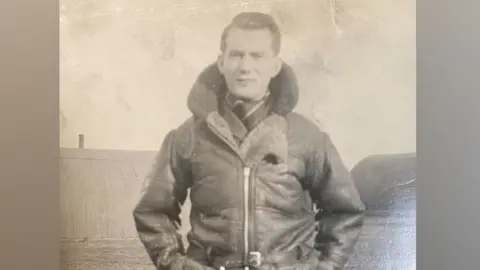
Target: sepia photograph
[253, 135]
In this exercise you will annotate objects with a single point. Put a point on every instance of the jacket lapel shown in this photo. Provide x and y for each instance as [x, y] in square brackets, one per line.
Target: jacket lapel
[220, 127]
[237, 127]
[267, 136]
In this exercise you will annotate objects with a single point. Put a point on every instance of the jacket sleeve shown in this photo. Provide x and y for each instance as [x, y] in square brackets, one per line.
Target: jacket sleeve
[341, 212]
[157, 214]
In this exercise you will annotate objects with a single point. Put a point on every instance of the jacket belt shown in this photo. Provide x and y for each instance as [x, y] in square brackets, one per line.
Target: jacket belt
[257, 259]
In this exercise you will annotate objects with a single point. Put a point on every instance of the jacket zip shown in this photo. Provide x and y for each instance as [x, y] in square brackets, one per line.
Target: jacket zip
[246, 199]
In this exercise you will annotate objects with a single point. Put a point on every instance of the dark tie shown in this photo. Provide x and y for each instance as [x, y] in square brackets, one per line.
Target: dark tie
[240, 110]
[251, 118]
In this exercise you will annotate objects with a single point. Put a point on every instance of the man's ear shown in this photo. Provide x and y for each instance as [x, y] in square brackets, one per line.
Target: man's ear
[277, 66]
[220, 63]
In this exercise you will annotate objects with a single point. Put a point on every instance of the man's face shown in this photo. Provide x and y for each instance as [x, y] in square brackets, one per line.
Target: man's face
[248, 62]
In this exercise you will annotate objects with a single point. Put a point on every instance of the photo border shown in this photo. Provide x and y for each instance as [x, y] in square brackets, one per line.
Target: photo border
[448, 131]
[29, 113]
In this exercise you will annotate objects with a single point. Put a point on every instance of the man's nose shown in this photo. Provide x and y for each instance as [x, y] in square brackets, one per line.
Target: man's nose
[246, 64]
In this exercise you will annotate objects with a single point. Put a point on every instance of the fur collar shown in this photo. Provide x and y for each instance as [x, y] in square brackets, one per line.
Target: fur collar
[210, 87]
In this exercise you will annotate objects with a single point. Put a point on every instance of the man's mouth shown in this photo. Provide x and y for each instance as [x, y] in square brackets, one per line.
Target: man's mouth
[245, 80]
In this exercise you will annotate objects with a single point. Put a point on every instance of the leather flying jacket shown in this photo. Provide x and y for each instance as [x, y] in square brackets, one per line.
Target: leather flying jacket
[282, 199]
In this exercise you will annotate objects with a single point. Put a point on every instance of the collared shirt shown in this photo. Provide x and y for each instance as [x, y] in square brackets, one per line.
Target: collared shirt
[244, 109]
[243, 116]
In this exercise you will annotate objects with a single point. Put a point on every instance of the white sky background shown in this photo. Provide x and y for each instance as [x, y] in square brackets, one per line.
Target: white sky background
[127, 67]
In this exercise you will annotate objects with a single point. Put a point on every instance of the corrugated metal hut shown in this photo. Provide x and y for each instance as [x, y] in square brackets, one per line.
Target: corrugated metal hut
[98, 190]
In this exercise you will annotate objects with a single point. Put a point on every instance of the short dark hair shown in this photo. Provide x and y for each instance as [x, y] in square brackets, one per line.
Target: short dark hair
[253, 21]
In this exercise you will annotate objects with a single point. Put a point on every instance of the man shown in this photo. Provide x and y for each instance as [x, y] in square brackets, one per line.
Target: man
[254, 168]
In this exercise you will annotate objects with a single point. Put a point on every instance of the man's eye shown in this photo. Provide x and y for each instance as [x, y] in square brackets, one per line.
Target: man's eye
[236, 54]
[257, 55]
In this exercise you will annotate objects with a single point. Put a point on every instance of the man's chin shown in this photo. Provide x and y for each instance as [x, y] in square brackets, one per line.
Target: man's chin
[243, 92]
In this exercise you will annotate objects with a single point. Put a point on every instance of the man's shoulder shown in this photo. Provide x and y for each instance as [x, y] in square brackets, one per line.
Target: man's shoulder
[307, 135]
[186, 126]
[300, 125]
[183, 136]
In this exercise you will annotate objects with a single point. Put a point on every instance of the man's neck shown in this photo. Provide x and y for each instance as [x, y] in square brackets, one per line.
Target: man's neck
[234, 100]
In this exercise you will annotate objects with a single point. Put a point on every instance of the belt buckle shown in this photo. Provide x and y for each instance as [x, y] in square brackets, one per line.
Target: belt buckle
[254, 258]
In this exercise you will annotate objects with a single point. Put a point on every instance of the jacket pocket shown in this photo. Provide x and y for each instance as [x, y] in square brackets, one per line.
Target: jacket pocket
[280, 189]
